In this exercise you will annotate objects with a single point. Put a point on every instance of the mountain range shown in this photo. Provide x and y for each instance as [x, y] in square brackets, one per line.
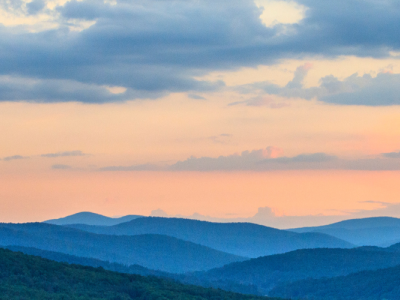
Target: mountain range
[90, 218]
[383, 284]
[378, 231]
[243, 239]
[270, 271]
[158, 252]
[29, 277]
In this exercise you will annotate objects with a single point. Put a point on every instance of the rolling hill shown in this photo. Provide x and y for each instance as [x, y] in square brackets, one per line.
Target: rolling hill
[379, 231]
[270, 271]
[90, 262]
[30, 277]
[383, 284]
[90, 218]
[243, 239]
[152, 251]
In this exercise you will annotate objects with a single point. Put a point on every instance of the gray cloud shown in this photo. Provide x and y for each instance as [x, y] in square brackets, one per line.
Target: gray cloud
[63, 154]
[196, 97]
[392, 155]
[144, 167]
[382, 90]
[60, 167]
[156, 47]
[35, 6]
[270, 159]
[256, 160]
[15, 157]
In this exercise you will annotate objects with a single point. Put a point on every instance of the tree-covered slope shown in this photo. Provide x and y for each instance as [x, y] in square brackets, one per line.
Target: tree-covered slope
[90, 262]
[269, 271]
[156, 252]
[383, 284]
[244, 239]
[136, 269]
[29, 277]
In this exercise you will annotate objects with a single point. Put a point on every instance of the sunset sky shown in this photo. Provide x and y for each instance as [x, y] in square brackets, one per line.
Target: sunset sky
[284, 113]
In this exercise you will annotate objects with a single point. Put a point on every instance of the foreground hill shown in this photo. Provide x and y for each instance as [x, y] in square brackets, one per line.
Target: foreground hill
[151, 251]
[380, 231]
[90, 218]
[270, 271]
[135, 269]
[381, 284]
[244, 239]
[29, 277]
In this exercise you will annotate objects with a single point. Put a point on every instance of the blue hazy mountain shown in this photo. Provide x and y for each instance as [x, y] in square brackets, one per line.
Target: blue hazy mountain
[267, 272]
[379, 231]
[383, 284]
[243, 239]
[90, 218]
[152, 251]
[30, 277]
[90, 262]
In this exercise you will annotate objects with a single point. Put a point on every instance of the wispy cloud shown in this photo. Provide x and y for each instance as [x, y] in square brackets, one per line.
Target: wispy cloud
[64, 154]
[15, 157]
[60, 167]
[144, 167]
[270, 159]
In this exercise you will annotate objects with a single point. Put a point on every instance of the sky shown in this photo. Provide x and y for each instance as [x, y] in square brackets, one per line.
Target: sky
[283, 113]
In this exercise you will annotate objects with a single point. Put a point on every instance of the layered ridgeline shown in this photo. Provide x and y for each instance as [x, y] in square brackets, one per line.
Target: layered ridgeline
[152, 251]
[135, 269]
[29, 277]
[90, 218]
[380, 231]
[270, 271]
[243, 239]
[381, 284]
[90, 262]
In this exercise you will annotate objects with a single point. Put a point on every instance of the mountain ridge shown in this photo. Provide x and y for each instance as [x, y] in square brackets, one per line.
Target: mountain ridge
[157, 252]
[243, 239]
[90, 218]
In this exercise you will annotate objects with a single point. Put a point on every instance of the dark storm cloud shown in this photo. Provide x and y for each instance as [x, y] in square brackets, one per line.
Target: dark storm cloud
[156, 47]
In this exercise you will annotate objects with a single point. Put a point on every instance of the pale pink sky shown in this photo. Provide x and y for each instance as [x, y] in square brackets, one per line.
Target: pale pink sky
[60, 157]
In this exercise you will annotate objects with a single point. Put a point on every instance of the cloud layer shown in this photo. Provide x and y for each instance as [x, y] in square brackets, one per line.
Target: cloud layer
[270, 159]
[156, 47]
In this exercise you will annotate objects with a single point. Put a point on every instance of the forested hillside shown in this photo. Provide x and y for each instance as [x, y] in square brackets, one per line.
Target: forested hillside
[270, 271]
[34, 278]
[381, 284]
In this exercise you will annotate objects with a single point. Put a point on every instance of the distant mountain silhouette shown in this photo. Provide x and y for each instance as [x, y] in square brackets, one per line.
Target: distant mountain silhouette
[152, 251]
[90, 218]
[379, 231]
[367, 285]
[270, 271]
[30, 277]
[243, 239]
